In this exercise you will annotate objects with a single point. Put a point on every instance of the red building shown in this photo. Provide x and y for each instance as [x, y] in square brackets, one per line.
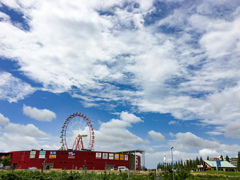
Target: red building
[62, 159]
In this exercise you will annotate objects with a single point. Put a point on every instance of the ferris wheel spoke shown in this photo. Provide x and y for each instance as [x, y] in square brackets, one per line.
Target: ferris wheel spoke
[77, 127]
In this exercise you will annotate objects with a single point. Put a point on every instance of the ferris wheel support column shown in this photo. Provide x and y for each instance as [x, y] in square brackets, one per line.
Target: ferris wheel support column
[76, 143]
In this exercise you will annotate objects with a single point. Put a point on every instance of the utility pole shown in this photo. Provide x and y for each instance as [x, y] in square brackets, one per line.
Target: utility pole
[44, 164]
[164, 163]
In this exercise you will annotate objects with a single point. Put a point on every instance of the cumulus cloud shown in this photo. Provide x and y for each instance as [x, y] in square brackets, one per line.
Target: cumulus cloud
[125, 116]
[114, 135]
[21, 137]
[26, 130]
[157, 136]
[13, 141]
[208, 152]
[189, 140]
[128, 57]
[39, 114]
[3, 120]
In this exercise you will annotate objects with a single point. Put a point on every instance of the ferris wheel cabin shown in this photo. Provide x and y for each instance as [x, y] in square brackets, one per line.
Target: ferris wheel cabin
[78, 134]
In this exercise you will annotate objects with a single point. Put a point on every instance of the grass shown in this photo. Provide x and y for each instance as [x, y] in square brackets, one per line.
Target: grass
[214, 172]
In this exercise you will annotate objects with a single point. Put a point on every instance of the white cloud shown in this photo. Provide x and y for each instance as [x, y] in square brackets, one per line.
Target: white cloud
[208, 152]
[233, 129]
[114, 135]
[125, 116]
[221, 40]
[3, 120]
[216, 133]
[21, 137]
[156, 136]
[205, 147]
[13, 141]
[4, 16]
[147, 149]
[13, 89]
[173, 122]
[191, 74]
[230, 149]
[189, 140]
[25, 130]
[39, 114]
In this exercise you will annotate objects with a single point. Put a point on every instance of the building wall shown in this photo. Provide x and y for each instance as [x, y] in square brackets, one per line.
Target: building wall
[62, 159]
[134, 162]
[233, 160]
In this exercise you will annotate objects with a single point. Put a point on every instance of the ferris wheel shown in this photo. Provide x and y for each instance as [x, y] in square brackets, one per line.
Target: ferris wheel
[77, 133]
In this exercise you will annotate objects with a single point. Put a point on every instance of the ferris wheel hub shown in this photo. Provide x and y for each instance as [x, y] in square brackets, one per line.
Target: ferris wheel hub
[78, 138]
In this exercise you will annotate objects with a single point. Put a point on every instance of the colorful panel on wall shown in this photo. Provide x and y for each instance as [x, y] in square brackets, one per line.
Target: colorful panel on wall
[98, 155]
[42, 154]
[32, 154]
[52, 154]
[71, 154]
[126, 157]
[111, 156]
[116, 156]
[105, 156]
[122, 157]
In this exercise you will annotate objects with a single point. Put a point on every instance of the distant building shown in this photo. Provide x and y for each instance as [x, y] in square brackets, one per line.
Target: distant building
[233, 160]
[211, 165]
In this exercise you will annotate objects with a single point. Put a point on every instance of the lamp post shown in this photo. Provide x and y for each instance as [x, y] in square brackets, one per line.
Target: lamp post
[164, 160]
[44, 168]
[172, 162]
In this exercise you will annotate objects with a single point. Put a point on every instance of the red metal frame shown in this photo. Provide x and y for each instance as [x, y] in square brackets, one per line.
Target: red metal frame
[78, 143]
[64, 129]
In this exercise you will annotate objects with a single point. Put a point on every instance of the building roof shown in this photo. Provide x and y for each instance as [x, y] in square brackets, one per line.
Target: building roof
[132, 151]
[224, 164]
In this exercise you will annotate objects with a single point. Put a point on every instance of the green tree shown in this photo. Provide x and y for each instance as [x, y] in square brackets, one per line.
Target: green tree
[238, 162]
[187, 164]
[201, 159]
[207, 157]
[190, 164]
[6, 161]
[227, 158]
[221, 158]
[194, 164]
[197, 161]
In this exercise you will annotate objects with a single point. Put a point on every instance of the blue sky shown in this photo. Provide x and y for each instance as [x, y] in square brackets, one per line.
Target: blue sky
[149, 75]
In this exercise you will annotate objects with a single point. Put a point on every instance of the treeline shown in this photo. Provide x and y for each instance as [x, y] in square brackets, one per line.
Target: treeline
[180, 165]
[189, 164]
[186, 165]
[192, 164]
